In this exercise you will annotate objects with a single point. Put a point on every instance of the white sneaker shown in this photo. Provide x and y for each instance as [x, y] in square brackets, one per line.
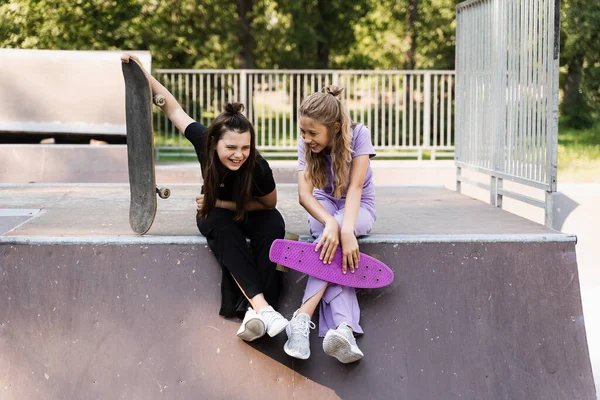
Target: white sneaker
[298, 343]
[341, 344]
[274, 321]
[253, 326]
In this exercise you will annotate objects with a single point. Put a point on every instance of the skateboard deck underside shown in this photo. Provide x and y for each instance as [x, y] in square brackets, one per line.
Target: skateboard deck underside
[301, 256]
[140, 148]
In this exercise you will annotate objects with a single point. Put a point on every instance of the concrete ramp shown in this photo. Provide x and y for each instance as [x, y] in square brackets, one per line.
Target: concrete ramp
[132, 322]
[60, 91]
[469, 316]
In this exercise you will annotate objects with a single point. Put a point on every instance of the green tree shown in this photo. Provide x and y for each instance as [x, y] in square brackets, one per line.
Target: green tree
[404, 35]
[315, 31]
[580, 61]
[245, 34]
[437, 35]
[67, 25]
[180, 33]
[191, 33]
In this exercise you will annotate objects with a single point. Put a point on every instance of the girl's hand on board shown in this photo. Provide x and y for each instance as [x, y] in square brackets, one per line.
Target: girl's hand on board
[126, 56]
[329, 241]
[351, 255]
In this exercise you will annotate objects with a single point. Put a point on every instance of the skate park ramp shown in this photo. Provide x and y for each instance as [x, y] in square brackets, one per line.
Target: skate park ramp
[60, 91]
[484, 305]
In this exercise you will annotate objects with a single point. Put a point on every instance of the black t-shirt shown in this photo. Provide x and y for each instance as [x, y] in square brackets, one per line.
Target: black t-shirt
[262, 178]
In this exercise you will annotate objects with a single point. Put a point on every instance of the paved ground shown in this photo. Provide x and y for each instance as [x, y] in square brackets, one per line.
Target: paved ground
[101, 210]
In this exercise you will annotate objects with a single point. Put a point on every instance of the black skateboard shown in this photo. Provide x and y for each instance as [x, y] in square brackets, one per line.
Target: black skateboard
[140, 148]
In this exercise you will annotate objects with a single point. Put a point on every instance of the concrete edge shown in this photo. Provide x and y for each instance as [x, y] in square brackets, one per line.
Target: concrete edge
[201, 240]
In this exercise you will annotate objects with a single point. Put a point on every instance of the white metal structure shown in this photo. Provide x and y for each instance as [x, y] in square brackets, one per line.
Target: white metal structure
[507, 95]
[408, 112]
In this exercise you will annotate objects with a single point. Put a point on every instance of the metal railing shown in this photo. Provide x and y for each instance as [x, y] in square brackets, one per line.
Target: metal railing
[507, 95]
[408, 112]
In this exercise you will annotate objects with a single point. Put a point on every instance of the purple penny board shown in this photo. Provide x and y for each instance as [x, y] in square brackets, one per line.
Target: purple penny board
[301, 256]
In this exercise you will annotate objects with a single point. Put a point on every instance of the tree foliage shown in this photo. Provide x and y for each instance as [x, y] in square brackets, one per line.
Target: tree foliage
[365, 34]
[69, 25]
[580, 61]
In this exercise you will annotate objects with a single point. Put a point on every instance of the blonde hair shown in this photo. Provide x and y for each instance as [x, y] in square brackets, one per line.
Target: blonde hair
[326, 107]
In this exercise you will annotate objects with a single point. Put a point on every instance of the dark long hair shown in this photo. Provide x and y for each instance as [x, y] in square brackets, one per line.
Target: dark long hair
[231, 119]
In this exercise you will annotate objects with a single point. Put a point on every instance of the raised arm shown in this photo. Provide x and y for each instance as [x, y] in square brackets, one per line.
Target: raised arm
[171, 107]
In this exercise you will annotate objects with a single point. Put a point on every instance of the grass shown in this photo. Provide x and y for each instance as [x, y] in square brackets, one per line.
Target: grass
[579, 154]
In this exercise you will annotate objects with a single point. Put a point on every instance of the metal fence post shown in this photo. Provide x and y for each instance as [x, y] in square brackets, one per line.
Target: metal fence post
[244, 90]
[499, 197]
[549, 210]
[552, 135]
[427, 110]
[493, 191]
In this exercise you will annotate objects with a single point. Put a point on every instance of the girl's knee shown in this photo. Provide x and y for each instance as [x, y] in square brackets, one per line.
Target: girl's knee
[273, 234]
[225, 232]
[316, 228]
[364, 224]
[274, 228]
[362, 229]
[278, 231]
[276, 223]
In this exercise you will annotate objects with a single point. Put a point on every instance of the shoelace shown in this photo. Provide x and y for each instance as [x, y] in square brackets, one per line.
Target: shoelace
[303, 326]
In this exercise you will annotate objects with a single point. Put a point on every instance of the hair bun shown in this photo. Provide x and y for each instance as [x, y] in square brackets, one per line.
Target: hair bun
[333, 90]
[234, 108]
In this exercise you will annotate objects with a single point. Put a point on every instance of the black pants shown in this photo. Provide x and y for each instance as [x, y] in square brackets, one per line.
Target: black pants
[250, 266]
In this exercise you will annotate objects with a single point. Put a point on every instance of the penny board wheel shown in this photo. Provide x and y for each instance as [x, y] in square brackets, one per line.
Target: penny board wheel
[288, 236]
[163, 193]
[159, 100]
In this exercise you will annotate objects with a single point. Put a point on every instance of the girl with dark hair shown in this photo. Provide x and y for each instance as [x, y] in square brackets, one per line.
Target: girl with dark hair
[238, 202]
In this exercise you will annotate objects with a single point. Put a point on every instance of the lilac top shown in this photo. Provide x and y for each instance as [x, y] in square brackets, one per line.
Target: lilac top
[360, 145]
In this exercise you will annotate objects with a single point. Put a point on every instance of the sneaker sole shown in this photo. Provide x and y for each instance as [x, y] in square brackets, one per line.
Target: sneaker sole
[294, 354]
[336, 345]
[253, 330]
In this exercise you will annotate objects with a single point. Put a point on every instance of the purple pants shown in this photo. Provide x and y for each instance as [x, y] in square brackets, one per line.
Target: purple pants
[339, 303]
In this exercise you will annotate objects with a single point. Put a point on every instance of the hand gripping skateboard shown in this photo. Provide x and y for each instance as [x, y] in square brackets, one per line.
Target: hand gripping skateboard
[301, 256]
[140, 148]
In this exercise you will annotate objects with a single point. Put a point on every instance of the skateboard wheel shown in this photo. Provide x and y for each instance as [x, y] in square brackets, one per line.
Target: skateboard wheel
[291, 236]
[163, 193]
[159, 100]
[288, 236]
